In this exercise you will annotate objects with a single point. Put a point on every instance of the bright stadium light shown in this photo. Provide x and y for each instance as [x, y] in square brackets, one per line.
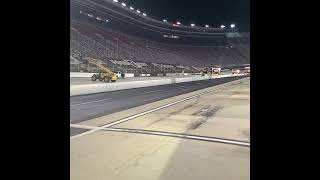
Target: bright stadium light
[222, 26]
[178, 23]
[144, 14]
[123, 4]
[131, 8]
[192, 25]
[232, 25]
[164, 20]
[98, 18]
[107, 20]
[90, 15]
[115, 1]
[138, 11]
[206, 26]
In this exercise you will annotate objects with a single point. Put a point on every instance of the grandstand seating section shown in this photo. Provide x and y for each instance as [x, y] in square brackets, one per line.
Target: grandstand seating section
[87, 40]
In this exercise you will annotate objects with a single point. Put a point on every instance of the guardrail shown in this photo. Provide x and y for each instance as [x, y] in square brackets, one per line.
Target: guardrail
[99, 88]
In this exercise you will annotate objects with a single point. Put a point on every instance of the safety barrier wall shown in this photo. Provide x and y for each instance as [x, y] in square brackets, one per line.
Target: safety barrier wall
[80, 74]
[84, 75]
[97, 88]
[105, 87]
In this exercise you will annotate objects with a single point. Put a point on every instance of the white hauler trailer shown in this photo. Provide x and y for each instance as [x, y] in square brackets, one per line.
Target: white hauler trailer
[215, 71]
[235, 71]
[247, 70]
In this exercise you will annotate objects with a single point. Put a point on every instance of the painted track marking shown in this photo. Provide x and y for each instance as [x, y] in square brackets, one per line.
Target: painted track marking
[168, 134]
[89, 102]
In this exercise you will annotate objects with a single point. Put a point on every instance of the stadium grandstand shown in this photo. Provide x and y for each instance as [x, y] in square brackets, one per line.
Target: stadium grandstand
[133, 42]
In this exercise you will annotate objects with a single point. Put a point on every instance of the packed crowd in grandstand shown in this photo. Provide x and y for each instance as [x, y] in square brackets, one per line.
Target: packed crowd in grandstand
[118, 49]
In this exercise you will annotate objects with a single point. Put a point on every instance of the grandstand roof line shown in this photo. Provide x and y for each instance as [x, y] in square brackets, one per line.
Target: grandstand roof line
[147, 24]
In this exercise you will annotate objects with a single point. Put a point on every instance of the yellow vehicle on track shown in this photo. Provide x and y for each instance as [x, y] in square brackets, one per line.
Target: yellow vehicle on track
[107, 76]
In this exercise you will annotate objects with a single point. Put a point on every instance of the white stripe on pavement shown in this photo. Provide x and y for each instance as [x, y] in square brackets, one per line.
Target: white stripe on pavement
[151, 91]
[159, 133]
[90, 102]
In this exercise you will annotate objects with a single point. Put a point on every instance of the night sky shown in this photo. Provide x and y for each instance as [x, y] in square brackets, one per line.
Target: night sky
[200, 12]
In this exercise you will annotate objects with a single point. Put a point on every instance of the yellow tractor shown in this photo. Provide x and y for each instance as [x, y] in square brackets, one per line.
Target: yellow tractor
[107, 76]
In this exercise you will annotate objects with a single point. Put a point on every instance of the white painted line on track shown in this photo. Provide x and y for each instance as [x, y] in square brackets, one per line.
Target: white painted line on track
[152, 110]
[89, 102]
[169, 134]
[93, 113]
[151, 91]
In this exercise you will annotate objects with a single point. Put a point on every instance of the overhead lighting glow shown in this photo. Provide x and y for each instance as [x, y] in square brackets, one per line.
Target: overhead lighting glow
[131, 8]
[178, 23]
[144, 14]
[138, 11]
[107, 20]
[192, 25]
[90, 15]
[222, 26]
[206, 26]
[164, 20]
[123, 4]
[232, 25]
[115, 1]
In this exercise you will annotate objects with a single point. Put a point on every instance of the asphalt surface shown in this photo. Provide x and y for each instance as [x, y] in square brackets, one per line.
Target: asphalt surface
[75, 131]
[90, 106]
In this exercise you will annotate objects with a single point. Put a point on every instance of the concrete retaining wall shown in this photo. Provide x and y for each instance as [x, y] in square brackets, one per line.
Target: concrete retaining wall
[85, 75]
[80, 74]
[98, 88]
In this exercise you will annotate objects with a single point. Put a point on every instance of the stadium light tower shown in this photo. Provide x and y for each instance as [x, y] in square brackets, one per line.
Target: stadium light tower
[192, 24]
[123, 4]
[207, 26]
[131, 8]
[232, 25]
[222, 26]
